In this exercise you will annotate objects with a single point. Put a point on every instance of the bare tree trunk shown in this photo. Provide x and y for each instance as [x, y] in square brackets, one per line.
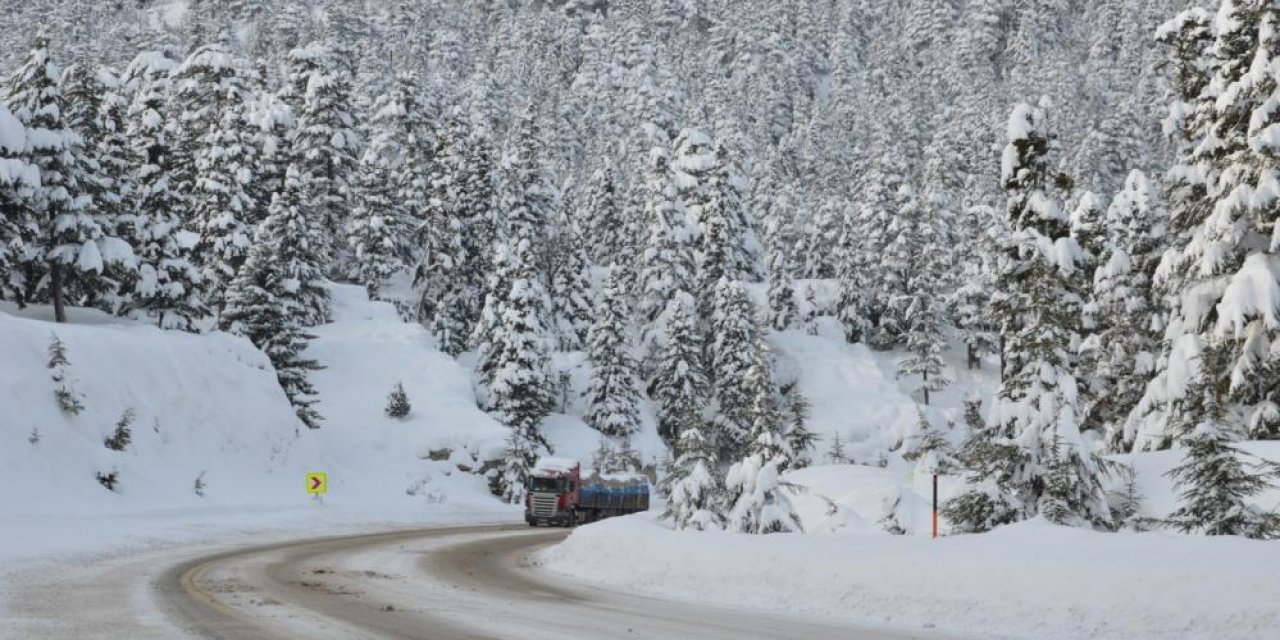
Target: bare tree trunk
[925, 376]
[55, 282]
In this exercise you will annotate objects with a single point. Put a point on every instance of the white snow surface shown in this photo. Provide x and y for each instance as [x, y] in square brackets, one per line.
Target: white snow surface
[1030, 580]
[208, 407]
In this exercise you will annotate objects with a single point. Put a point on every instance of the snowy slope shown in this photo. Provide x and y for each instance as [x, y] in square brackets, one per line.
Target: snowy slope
[208, 406]
[205, 403]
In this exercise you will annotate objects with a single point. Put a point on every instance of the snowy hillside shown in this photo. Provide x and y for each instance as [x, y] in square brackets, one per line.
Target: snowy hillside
[208, 407]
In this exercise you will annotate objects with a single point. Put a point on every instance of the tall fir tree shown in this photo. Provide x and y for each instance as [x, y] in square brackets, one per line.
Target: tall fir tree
[71, 248]
[571, 289]
[613, 393]
[19, 226]
[970, 301]
[757, 498]
[1218, 276]
[220, 199]
[1118, 355]
[1032, 460]
[679, 386]
[668, 261]
[262, 303]
[1215, 483]
[169, 286]
[783, 310]
[449, 294]
[325, 147]
[695, 491]
[516, 364]
[731, 352]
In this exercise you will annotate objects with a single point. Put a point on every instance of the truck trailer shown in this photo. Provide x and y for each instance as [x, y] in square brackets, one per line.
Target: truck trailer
[559, 493]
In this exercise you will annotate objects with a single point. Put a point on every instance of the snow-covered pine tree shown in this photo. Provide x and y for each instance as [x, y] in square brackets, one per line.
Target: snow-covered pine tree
[379, 217]
[518, 460]
[602, 211]
[1089, 227]
[571, 288]
[853, 307]
[71, 248]
[326, 147]
[928, 444]
[477, 202]
[221, 200]
[692, 170]
[920, 310]
[695, 492]
[667, 263]
[412, 175]
[800, 440]
[913, 240]
[515, 363]
[1032, 460]
[273, 126]
[731, 353]
[83, 88]
[445, 278]
[613, 393]
[1218, 277]
[757, 498]
[169, 285]
[970, 301]
[398, 406]
[298, 256]
[937, 455]
[783, 311]
[1216, 484]
[264, 303]
[370, 233]
[1118, 356]
[115, 180]
[19, 225]
[679, 386]
[122, 436]
[69, 400]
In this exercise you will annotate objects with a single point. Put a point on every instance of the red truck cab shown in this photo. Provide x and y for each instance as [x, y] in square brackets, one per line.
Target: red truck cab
[552, 493]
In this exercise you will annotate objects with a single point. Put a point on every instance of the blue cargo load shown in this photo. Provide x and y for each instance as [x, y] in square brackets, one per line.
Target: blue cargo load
[615, 492]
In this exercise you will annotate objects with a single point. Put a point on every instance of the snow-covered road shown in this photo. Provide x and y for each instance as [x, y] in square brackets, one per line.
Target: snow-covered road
[438, 584]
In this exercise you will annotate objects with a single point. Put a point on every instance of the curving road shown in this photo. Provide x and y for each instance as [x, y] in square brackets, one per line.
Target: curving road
[436, 584]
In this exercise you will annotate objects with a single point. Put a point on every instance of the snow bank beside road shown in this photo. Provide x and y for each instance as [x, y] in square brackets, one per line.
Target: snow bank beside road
[1032, 580]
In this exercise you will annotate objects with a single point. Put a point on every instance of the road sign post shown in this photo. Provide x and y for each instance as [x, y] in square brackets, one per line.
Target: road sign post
[935, 506]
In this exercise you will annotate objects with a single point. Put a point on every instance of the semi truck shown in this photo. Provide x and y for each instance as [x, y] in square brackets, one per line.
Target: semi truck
[559, 493]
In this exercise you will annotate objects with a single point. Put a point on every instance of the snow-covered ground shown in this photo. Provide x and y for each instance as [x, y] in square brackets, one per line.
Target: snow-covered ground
[208, 407]
[1030, 580]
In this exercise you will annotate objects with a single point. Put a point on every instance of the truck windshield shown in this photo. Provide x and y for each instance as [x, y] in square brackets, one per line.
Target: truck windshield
[553, 485]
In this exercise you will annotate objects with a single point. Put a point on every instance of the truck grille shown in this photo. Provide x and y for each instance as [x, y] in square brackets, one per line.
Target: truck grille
[544, 504]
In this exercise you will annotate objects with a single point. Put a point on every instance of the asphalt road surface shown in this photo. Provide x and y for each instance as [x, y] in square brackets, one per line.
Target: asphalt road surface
[430, 584]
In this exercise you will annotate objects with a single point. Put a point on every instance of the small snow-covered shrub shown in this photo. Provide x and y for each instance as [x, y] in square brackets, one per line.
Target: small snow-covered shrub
[398, 405]
[123, 435]
[68, 398]
[109, 479]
